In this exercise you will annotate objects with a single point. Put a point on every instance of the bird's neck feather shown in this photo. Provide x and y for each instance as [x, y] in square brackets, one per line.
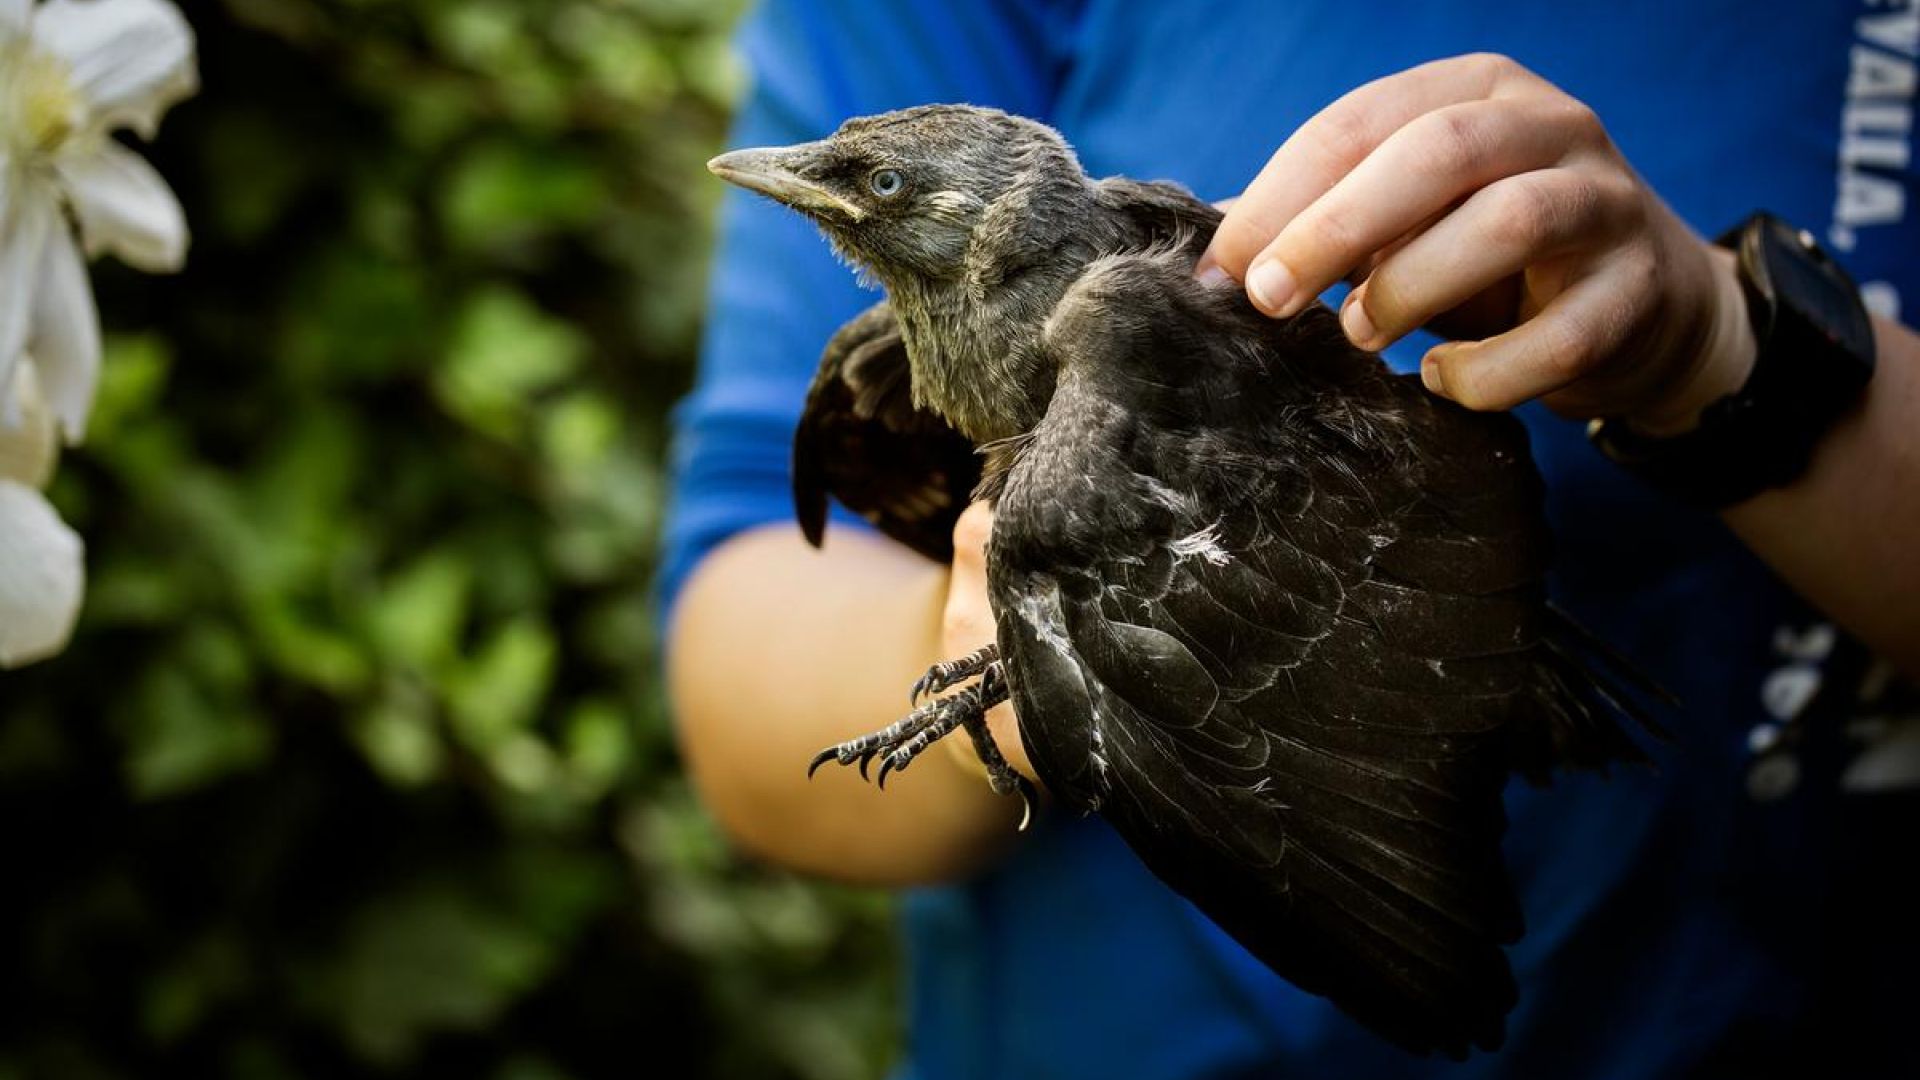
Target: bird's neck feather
[976, 357]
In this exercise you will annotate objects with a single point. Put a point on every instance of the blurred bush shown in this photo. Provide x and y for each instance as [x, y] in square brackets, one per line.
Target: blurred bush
[358, 765]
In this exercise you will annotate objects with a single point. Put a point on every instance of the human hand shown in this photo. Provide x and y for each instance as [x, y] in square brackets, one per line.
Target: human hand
[1472, 196]
[966, 624]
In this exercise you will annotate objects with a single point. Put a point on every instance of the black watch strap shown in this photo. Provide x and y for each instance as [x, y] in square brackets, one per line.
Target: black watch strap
[1814, 356]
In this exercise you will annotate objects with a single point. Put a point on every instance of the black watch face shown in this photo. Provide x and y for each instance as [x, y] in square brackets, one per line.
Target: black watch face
[1810, 286]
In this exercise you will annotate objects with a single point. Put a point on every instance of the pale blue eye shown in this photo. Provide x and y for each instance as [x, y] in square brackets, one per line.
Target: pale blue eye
[885, 182]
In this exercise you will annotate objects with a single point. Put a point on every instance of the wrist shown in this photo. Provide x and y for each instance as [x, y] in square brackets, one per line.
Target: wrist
[1721, 366]
[1809, 365]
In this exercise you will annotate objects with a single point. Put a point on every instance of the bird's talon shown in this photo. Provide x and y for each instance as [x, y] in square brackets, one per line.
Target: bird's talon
[903, 740]
[950, 673]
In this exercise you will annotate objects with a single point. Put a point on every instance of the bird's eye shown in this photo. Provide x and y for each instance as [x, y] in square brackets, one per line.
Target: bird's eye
[886, 182]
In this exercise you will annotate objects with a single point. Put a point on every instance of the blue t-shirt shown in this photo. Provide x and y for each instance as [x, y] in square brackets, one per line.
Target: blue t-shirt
[1676, 916]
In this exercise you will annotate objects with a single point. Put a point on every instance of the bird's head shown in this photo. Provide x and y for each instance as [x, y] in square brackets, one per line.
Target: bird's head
[939, 194]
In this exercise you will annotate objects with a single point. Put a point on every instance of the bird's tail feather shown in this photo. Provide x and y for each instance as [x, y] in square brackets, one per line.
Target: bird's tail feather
[1586, 688]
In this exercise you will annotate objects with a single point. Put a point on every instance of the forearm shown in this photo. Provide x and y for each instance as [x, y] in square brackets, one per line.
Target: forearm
[1847, 535]
[777, 650]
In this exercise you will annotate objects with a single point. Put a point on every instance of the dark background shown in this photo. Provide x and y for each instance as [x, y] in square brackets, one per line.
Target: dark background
[359, 763]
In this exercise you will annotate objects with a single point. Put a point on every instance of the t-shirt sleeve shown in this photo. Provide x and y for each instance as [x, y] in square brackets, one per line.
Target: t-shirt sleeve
[777, 293]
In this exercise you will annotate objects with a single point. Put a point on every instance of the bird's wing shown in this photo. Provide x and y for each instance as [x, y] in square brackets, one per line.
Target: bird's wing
[1158, 211]
[863, 441]
[1279, 663]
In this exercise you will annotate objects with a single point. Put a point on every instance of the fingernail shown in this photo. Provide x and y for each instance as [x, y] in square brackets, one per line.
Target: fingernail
[1212, 275]
[1270, 284]
[1353, 319]
[1430, 375]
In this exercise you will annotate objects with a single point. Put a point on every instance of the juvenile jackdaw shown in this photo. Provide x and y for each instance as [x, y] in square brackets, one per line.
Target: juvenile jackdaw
[1272, 610]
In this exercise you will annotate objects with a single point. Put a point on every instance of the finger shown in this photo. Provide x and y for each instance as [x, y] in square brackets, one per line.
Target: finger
[1420, 171]
[1337, 139]
[971, 532]
[1365, 269]
[1498, 232]
[967, 622]
[1557, 347]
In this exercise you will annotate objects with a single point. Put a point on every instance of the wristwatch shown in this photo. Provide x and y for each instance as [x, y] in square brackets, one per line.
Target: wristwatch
[1813, 361]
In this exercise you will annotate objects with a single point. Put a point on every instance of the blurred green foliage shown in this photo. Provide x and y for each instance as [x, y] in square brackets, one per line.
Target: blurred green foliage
[359, 764]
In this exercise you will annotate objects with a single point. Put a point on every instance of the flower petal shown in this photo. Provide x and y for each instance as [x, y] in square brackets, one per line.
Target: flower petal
[42, 577]
[131, 59]
[65, 339]
[24, 225]
[125, 208]
[28, 449]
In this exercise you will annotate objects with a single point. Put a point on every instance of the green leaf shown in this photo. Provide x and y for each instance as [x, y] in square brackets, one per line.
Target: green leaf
[505, 353]
[133, 372]
[599, 745]
[418, 618]
[428, 960]
[180, 737]
[503, 194]
[355, 316]
[400, 738]
[498, 693]
[577, 435]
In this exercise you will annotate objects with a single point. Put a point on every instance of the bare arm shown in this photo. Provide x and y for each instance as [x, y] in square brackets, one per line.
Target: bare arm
[777, 650]
[1847, 535]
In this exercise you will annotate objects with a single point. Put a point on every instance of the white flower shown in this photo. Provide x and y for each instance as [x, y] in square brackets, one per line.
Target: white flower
[28, 448]
[44, 577]
[72, 72]
[41, 572]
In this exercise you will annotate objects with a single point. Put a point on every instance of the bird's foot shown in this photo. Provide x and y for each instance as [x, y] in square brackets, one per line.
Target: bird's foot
[938, 716]
[949, 673]
[900, 742]
[1005, 779]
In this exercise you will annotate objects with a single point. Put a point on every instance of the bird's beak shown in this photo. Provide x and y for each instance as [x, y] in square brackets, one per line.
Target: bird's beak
[770, 171]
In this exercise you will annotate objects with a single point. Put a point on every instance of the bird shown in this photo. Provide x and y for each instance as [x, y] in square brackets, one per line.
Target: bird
[1275, 612]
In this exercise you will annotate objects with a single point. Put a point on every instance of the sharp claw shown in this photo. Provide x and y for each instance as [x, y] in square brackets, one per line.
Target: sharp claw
[866, 759]
[822, 758]
[920, 688]
[1026, 804]
[886, 767]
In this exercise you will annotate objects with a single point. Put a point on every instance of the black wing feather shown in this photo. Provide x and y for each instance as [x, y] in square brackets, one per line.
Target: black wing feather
[1284, 660]
[863, 441]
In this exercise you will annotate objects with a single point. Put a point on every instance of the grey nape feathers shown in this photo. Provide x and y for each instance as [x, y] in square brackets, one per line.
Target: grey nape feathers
[1273, 611]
